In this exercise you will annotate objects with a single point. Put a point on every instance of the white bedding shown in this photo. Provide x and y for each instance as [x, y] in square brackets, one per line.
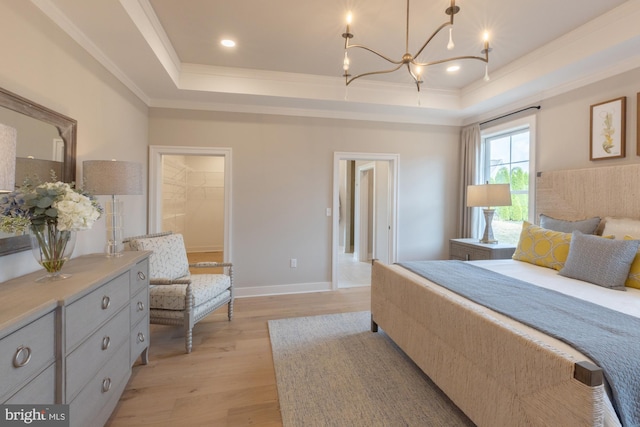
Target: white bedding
[624, 301]
[627, 302]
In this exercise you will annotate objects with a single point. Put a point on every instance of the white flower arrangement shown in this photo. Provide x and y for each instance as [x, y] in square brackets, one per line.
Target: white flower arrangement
[53, 203]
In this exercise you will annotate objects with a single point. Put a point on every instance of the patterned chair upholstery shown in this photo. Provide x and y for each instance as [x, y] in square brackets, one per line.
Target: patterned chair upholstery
[177, 297]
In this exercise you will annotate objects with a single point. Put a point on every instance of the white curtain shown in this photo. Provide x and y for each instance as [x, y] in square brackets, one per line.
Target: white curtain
[471, 153]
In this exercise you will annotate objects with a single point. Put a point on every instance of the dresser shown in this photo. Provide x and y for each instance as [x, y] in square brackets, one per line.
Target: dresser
[74, 341]
[472, 249]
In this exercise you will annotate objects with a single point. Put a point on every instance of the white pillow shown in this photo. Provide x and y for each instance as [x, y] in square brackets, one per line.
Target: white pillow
[619, 227]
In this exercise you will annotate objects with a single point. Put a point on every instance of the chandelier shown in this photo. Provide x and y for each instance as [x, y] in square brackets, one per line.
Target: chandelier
[414, 67]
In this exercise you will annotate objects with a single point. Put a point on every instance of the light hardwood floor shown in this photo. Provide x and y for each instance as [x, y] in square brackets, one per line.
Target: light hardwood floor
[229, 378]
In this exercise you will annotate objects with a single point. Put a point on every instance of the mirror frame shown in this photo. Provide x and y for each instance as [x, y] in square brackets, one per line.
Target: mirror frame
[67, 128]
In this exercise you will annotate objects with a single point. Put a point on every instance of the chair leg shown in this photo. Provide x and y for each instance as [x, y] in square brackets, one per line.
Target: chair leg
[188, 340]
[230, 310]
[188, 319]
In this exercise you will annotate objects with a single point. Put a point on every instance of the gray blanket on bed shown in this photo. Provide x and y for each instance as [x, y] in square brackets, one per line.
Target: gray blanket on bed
[610, 338]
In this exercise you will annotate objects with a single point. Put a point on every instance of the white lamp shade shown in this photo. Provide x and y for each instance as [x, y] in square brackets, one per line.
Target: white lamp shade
[487, 195]
[111, 177]
[8, 138]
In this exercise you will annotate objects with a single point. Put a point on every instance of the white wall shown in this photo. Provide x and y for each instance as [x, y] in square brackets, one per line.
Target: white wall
[282, 185]
[40, 62]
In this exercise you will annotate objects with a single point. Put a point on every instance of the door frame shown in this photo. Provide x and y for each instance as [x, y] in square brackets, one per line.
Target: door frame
[394, 166]
[155, 185]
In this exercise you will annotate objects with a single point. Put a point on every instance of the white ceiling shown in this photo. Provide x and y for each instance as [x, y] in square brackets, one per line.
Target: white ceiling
[289, 54]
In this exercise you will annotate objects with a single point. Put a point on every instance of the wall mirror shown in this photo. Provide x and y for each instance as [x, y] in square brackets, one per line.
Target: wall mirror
[46, 141]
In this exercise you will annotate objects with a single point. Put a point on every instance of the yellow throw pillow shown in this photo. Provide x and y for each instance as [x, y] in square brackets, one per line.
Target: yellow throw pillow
[542, 247]
[633, 280]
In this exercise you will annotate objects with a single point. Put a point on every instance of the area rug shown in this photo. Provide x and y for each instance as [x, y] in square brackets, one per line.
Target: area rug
[331, 370]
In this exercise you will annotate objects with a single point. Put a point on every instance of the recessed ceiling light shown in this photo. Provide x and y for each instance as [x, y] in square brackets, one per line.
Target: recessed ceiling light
[227, 43]
[453, 68]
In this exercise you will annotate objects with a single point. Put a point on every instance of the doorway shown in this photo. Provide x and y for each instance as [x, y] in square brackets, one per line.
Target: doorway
[190, 193]
[364, 223]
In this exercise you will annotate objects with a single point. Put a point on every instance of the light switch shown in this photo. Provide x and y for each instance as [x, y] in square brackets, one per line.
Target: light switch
[328, 211]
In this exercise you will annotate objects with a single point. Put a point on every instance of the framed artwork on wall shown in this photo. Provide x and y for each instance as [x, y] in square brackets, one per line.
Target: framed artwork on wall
[608, 124]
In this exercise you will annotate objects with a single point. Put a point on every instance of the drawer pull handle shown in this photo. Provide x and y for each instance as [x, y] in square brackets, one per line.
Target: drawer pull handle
[141, 275]
[22, 356]
[106, 385]
[140, 337]
[106, 342]
[140, 306]
[106, 302]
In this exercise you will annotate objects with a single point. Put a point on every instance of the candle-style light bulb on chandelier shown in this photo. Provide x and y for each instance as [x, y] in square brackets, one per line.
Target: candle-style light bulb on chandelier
[414, 67]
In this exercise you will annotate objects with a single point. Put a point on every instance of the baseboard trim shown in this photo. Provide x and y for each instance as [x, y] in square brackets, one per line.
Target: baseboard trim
[294, 288]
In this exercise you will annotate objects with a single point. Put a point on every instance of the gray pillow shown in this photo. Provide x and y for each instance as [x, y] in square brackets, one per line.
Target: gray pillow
[598, 260]
[586, 226]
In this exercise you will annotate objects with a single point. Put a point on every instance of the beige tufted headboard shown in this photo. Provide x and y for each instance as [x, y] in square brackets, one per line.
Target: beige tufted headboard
[583, 193]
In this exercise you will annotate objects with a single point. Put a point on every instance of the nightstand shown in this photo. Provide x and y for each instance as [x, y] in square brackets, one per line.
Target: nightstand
[472, 249]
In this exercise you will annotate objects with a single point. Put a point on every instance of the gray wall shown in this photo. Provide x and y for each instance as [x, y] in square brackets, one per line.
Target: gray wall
[563, 124]
[40, 62]
[282, 184]
[282, 166]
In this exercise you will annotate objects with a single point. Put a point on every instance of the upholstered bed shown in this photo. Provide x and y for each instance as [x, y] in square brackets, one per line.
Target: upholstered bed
[498, 370]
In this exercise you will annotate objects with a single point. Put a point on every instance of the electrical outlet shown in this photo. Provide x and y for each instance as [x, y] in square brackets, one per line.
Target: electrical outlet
[293, 263]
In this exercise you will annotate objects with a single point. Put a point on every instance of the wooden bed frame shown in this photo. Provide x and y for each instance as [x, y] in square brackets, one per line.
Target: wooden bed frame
[494, 372]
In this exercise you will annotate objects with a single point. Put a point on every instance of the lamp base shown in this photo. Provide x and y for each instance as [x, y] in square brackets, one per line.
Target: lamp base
[114, 246]
[113, 249]
[487, 237]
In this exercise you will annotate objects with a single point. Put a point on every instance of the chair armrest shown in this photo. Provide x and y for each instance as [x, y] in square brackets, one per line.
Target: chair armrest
[169, 281]
[210, 264]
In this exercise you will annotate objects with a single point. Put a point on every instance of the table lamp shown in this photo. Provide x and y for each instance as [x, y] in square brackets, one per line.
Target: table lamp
[36, 169]
[486, 196]
[8, 137]
[113, 178]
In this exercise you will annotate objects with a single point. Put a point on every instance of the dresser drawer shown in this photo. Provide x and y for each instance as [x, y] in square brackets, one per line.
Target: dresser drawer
[40, 391]
[89, 312]
[25, 353]
[139, 306]
[140, 277]
[139, 338]
[102, 390]
[95, 351]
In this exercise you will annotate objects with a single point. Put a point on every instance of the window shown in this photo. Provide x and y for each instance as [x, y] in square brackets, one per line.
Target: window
[508, 160]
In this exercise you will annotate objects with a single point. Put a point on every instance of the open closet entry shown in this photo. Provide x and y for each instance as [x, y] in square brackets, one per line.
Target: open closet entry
[193, 200]
[190, 194]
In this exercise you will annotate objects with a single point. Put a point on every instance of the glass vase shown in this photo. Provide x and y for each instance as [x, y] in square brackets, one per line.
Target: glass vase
[52, 247]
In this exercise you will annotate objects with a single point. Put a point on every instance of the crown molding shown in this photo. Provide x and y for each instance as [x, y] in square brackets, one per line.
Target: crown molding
[60, 19]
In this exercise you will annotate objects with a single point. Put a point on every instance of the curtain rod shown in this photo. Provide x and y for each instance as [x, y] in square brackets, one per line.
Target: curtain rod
[537, 107]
